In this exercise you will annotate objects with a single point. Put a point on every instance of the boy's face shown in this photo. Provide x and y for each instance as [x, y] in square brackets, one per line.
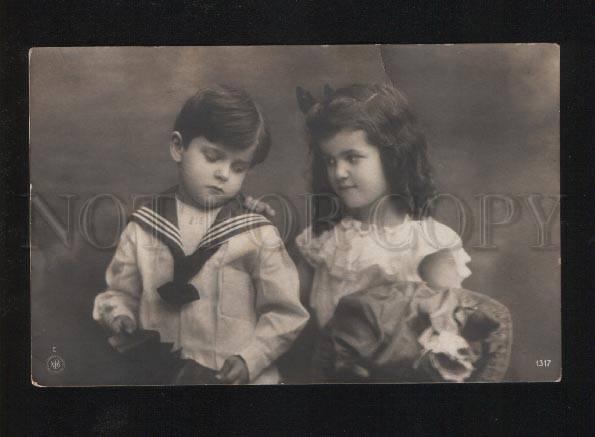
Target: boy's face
[210, 173]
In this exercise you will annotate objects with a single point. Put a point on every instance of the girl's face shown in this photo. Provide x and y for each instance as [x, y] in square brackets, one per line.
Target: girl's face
[354, 169]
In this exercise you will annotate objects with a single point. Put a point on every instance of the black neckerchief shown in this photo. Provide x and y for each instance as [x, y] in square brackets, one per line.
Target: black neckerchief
[160, 218]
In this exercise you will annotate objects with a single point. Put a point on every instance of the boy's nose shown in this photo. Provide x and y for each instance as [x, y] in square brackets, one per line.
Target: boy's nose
[222, 173]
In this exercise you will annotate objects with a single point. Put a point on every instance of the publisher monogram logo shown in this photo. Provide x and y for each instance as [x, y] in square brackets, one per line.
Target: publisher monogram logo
[55, 364]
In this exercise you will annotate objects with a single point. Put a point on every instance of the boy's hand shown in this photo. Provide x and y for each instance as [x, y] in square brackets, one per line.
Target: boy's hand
[122, 324]
[258, 206]
[234, 371]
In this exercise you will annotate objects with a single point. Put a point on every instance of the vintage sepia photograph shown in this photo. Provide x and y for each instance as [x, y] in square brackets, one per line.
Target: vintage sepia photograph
[334, 214]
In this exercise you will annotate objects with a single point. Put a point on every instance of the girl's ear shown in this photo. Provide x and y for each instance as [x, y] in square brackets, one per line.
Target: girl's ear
[176, 146]
[305, 99]
[328, 91]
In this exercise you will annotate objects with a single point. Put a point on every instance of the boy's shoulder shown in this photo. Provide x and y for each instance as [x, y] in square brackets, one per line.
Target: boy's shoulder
[235, 221]
[260, 231]
[156, 216]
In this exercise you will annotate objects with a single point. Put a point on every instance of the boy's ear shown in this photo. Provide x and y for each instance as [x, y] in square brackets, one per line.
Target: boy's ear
[305, 99]
[176, 146]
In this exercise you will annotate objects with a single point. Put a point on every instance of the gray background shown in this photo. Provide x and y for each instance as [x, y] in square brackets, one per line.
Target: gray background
[100, 120]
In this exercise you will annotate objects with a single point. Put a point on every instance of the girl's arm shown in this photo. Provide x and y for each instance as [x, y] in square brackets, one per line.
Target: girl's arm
[306, 275]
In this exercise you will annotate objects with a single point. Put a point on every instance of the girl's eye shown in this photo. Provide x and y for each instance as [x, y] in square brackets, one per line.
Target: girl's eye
[353, 159]
[329, 161]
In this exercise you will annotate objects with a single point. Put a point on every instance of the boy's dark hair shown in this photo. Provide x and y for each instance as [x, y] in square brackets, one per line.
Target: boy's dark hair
[384, 115]
[227, 116]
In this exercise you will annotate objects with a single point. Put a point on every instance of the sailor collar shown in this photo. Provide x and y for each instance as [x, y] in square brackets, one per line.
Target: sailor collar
[160, 218]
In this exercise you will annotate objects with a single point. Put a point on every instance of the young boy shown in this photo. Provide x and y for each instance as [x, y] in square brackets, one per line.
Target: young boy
[195, 265]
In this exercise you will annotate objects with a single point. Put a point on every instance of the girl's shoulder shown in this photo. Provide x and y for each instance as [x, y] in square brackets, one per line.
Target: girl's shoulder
[311, 244]
[434, 235]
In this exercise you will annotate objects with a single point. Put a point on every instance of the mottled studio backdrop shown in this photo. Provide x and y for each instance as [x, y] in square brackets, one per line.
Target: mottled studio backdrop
[100, 120]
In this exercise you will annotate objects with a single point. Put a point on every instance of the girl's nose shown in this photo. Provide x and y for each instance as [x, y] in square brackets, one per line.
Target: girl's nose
[341, 171]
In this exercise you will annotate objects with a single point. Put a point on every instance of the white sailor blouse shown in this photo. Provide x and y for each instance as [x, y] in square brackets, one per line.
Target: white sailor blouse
[237, 294]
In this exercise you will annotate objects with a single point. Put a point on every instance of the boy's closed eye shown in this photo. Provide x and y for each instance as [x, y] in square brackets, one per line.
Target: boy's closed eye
[212, 155]
[240, 166]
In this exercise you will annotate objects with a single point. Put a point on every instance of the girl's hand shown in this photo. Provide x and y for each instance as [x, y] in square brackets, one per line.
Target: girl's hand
[234, 371]
[122, 324]
[258, 206]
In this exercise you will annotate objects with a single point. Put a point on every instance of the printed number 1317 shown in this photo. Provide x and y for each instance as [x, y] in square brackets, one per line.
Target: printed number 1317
[543, 363]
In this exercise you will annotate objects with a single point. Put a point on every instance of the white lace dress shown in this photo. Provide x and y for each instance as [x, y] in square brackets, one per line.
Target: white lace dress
[353, 256]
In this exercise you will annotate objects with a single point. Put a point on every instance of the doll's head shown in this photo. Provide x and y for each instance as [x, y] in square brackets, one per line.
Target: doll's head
[365, 145]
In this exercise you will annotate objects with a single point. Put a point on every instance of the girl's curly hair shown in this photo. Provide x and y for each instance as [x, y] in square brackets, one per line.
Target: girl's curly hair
[383, 113]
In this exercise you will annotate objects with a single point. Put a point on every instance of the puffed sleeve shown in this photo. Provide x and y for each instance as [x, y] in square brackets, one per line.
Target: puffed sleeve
[437, 237]
[280, 313]
[121, 298]
[310, 247]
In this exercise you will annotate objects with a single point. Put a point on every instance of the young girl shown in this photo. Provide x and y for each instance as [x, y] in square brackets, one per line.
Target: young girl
[385, 272]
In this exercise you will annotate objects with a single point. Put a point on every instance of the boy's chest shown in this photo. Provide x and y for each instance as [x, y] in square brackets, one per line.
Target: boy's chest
[183, 251]
[193, 224]
[225, 285]
[228, 268]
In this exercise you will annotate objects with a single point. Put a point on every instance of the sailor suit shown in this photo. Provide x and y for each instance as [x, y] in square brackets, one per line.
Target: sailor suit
[237, 293]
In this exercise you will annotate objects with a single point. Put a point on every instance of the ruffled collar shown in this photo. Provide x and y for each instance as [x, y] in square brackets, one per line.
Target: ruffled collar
[352, 247]
[352, 224]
